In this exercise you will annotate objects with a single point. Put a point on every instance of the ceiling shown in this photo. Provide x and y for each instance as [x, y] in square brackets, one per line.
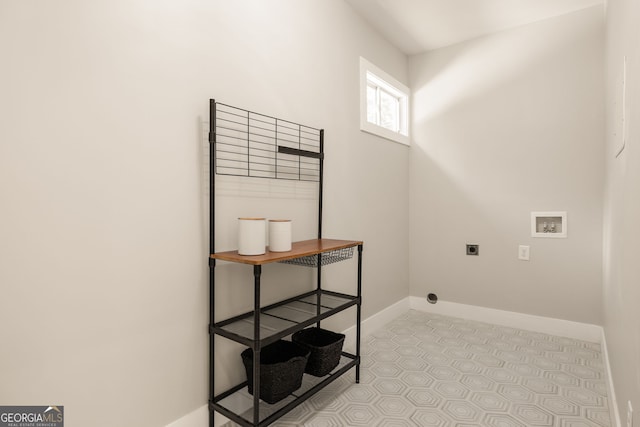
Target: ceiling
[416, 26]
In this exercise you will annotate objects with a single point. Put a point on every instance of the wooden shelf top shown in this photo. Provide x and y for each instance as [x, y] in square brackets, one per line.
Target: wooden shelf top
[298, 249]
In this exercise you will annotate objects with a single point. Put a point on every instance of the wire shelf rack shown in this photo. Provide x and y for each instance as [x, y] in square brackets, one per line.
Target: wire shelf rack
[255, 145]
[325, 258]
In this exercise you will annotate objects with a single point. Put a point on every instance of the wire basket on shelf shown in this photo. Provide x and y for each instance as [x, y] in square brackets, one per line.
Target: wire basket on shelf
[325, 258]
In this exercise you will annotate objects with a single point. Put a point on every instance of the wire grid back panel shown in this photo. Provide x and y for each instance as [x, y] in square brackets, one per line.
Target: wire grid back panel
[251, 144]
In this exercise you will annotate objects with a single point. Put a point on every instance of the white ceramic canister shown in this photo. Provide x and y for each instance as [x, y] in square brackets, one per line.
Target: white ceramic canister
[252, 236]
[279, 235]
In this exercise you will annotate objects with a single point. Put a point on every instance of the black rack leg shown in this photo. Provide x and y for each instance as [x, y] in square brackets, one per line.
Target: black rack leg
[257, 271]
[319, 289]
[212, 249]
[212, 348]
[359, 315]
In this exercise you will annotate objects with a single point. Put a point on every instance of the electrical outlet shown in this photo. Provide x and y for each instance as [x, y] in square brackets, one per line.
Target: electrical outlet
[629, 414]
[523, 252]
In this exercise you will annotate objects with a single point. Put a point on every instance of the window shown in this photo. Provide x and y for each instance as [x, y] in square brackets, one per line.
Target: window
[384, 104]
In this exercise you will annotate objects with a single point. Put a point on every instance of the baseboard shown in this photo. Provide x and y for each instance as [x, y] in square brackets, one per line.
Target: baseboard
[375, 322]
[547, 325]
[613, 402]
[197, 418]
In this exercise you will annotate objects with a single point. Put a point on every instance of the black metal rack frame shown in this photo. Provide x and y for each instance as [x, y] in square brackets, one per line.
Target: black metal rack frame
[245, 143]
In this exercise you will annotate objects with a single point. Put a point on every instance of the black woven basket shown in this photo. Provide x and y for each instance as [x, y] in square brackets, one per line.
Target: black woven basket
[325, 347]
[281, 368]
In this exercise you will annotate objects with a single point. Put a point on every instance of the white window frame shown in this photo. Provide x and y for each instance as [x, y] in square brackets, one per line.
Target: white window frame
[370, 75]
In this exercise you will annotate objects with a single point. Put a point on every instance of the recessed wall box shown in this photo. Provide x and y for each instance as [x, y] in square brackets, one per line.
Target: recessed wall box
[549, 224]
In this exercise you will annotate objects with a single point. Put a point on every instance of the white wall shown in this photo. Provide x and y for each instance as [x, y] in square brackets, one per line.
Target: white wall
[622, 205]
[103, 260]
[505, 125]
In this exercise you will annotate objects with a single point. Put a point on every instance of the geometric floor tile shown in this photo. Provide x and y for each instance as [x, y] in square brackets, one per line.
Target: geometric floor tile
[425, 369]
[490, 402]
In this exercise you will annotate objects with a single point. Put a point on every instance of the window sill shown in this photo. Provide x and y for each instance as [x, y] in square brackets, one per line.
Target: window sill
[385, 133]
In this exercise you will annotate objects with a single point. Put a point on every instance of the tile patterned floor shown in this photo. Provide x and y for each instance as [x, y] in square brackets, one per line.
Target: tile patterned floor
[431, 370]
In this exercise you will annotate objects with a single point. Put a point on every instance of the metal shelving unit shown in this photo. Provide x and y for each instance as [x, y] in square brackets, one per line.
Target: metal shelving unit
[244, 143]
